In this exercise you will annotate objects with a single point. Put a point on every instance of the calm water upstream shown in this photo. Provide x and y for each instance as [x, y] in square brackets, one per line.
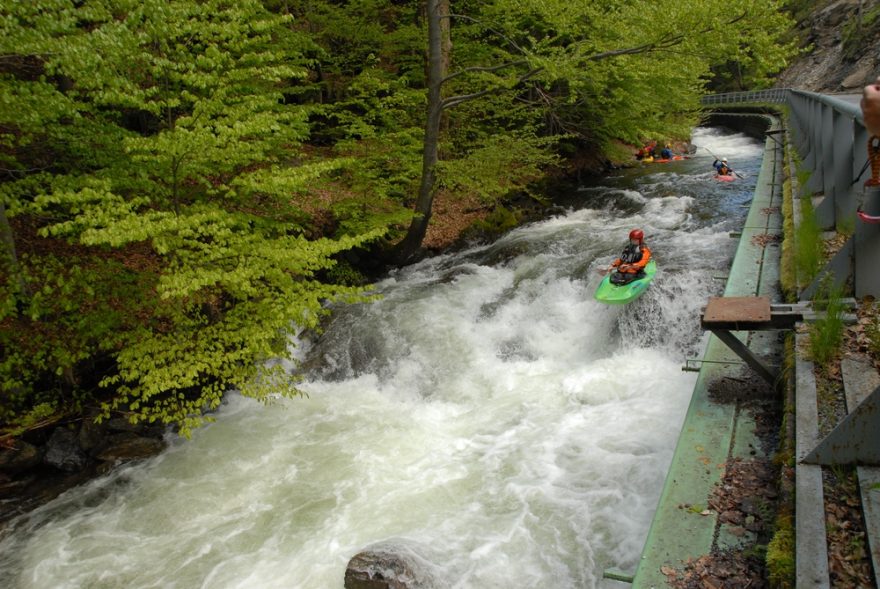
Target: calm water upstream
[486, 415]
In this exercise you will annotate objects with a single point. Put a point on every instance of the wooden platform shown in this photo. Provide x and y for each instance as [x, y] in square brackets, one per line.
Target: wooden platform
[750, 314]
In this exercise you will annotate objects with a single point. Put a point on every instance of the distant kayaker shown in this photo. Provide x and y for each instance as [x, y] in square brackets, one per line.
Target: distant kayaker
[722, 167]
[666, 152]
[631, 263]
[647, 150]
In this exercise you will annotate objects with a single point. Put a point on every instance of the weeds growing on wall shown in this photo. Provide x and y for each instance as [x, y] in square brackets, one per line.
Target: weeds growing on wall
[808, 243]
[872, 330]
[826, 334]
[781, 553]
[787, 273]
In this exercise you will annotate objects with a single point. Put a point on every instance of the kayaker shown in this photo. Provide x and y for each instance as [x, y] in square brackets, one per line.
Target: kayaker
[666, 152]
[722, 167]
[631, 263]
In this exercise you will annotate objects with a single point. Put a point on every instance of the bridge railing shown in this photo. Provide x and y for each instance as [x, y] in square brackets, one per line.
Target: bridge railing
[830, 137]
[770, 95]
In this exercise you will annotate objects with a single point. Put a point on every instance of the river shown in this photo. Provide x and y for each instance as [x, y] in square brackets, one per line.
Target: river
[486, 415]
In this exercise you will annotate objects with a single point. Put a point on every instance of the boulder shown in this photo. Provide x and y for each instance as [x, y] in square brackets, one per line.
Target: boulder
[91, 435]
[20, 457]
[387, 566]
[125, 447]
[63, 451]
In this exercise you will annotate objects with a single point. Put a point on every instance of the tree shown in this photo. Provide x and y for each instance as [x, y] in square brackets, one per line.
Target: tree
[580, 62]
[195, 170]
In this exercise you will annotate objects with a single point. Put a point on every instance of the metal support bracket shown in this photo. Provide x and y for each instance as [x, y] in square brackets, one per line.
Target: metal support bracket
[726, 314]
[741, 350]
[855, 440]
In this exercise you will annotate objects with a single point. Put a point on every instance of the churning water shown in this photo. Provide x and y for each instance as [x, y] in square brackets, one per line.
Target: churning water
[486, 417]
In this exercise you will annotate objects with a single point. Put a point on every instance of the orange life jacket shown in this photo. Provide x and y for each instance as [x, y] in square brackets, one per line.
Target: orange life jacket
[635, 259]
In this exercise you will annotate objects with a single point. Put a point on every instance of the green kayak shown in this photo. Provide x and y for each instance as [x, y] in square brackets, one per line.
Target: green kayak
[612, 294]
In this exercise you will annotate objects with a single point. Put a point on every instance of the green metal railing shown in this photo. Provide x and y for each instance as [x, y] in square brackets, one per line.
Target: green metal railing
[775, 95]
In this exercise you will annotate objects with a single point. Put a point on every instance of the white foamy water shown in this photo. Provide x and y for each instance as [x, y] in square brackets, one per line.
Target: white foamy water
[486, 417]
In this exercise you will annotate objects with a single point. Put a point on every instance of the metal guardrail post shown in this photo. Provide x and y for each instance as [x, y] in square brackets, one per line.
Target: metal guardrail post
[799, 117]
[821, 180]
[813, 161]
[867, 246]
[841, 176]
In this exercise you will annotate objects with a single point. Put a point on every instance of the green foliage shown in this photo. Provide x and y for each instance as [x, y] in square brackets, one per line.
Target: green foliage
[781, 554]
[77, 312]
[872, 330]
[637, 69]
[182, 176]
[801, 9]
[35, 417]
[858, 31]
[344, 273]
[826, 333]
[499, 221]
[808, 243]
[787, 265]
[206, 183]
[499, 166]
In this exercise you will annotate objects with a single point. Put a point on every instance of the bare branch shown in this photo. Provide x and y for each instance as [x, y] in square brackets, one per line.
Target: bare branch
[483, 69]
[662, 44]
[490, 29]
[456, 100]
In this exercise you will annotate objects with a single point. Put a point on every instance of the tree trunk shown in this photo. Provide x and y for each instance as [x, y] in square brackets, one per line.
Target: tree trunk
[445, 38]
[410, 244]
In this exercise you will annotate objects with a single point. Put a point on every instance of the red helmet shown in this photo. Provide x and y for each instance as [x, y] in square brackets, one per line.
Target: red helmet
[637, 234]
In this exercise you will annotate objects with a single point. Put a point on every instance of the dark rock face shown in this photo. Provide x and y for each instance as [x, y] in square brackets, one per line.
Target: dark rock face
[125, 447]
[63, 451]
[825, 66]
[19, 458]
[50, 461]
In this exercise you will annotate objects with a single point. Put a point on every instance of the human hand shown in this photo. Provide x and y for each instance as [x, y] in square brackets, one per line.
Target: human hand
[871, 107]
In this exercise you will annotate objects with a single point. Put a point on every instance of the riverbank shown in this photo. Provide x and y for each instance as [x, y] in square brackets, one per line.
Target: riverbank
[43, 463]
[57, 454]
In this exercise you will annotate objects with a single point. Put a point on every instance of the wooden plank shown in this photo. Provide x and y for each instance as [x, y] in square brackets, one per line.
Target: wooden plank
[749, 314]
[727, 309]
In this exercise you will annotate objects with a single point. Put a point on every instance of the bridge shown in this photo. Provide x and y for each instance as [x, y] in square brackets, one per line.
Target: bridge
[818, 146]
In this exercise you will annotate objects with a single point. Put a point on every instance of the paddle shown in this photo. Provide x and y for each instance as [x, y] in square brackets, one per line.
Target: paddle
[738, 175]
